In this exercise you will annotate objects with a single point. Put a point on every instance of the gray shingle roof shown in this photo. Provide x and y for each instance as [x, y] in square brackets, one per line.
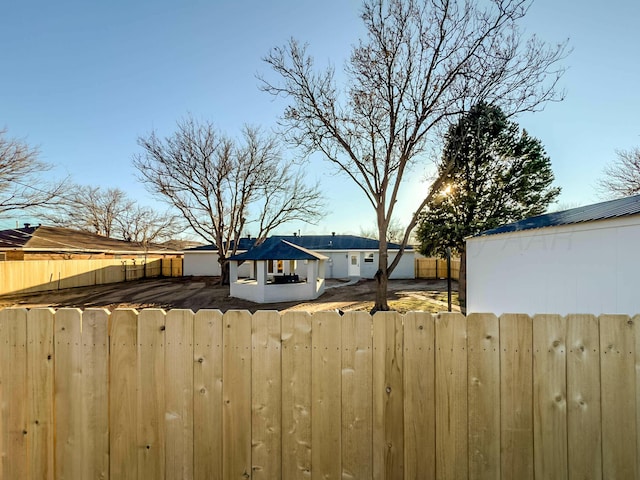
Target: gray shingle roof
[621, 207]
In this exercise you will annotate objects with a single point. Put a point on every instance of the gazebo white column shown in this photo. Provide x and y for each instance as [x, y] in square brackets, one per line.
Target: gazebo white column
[233, 271]
[312, 271]
[261, 272]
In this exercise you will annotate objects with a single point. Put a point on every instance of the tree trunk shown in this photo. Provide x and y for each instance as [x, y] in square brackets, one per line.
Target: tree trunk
[381, 292]
[382, 275]
[224, 271]
[462, 281]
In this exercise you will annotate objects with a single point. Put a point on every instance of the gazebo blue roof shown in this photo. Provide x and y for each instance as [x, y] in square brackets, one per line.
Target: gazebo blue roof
[276, 248]
[620, 207]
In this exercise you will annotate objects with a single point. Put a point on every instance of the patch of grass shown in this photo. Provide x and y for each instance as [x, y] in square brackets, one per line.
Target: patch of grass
[406, 304]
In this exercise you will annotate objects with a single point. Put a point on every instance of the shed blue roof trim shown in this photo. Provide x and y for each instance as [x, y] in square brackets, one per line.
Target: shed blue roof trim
[277, 249]
[621, 207]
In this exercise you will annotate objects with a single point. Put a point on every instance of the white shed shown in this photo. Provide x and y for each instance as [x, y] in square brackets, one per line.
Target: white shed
[583, 260]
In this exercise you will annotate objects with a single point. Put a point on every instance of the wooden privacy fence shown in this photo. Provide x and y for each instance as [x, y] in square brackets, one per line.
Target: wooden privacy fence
[434, 268]
[154, 395]
[42, 275]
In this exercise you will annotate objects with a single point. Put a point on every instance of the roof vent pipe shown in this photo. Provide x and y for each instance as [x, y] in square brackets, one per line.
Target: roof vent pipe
[333, 234]
[27, 225]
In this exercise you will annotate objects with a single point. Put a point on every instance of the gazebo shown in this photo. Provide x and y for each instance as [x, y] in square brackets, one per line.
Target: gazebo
[281, 272]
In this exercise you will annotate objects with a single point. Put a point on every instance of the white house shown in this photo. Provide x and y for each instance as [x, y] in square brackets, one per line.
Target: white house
[274, 276]
[583, 260]
[347, 256]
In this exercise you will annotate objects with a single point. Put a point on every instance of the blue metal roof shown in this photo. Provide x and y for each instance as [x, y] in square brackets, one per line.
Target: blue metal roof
[317, 242]
[621, 207]
[336, 242]
[275, 248]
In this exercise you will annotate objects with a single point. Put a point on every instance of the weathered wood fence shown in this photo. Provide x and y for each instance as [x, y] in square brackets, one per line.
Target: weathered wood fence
[43, 275]
[434, 268]
[154, 395]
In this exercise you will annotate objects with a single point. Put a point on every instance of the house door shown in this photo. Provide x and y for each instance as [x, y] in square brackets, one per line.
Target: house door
[354, 264]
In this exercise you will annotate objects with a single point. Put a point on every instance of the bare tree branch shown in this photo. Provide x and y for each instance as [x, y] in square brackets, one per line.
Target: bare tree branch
[421, 65]
[21, 185]
[622, 176]
[222, 187]
[110, 212]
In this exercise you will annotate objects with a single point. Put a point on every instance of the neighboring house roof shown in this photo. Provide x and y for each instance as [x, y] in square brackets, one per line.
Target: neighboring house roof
[316, 242]
[243, 244]
[180, 244]
[621, 207]
[58, 239]
[275, 248]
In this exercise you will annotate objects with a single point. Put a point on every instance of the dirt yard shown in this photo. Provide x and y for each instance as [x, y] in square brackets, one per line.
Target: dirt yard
[198, 293]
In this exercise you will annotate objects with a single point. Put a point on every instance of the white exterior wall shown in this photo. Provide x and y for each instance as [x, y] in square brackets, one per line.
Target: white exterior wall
[406, 267]
[205, 264]
[337, 266]
[582, 268]
[201, 264]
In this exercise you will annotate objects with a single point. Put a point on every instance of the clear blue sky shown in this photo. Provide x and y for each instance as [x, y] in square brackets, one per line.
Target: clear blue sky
[82, 80]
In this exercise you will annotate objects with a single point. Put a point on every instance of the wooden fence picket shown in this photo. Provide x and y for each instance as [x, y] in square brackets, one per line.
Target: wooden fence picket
[357, 400]
[40, 383]
[326, 396]
[13, 393]
[151, 390]
[483, 346]
[179, 391]
[419, 396]
[516, 397]
[69, 450]
[550, 395]
[123, 394]
[266, 394]
[388, 396]
[207, 402]
[617, 364]
[451, 396]
[584, 425]
[296, 395]
[94, 394]
[236, 393]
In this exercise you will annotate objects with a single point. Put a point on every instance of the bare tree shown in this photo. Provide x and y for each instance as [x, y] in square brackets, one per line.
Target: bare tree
[622, 176]
[110, 212]
[21, 185]
[395, 231]
[221, 187]
[421, 64]
[145, 226]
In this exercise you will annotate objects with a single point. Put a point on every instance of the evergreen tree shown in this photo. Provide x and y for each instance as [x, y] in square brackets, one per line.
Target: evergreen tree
[494, 174]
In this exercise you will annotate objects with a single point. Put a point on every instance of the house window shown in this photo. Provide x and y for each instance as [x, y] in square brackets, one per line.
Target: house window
[269, 266]
[292, 266]
[280, 266]
[3, 257]
[354, 260]
[369, 258]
